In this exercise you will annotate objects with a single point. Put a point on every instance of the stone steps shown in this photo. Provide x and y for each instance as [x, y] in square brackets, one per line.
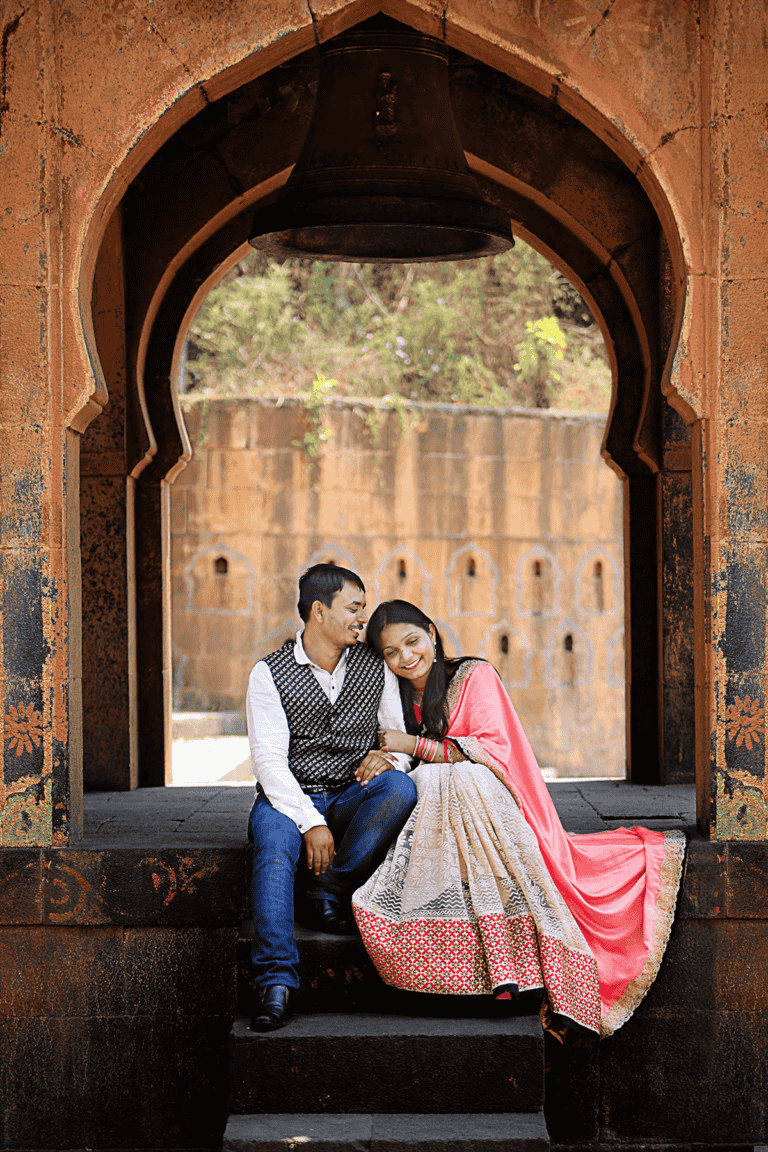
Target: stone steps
[474, 1132]
[364, 1063]
[363, 1066]
[337, 975]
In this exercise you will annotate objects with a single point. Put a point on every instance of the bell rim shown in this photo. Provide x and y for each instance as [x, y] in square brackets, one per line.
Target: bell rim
[490, 243]
[292, 214]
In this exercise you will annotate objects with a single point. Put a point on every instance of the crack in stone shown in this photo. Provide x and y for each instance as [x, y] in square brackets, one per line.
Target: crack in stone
[588, 802]
[68, 135]
[313, 18]
[8, 31]
[668, 136]
[601, 21]
[156, 31]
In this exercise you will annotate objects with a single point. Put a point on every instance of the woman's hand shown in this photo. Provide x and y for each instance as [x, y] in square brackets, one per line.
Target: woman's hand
[390, 740]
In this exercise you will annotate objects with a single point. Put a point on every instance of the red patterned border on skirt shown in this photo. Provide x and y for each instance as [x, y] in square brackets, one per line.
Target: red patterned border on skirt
[459, 958]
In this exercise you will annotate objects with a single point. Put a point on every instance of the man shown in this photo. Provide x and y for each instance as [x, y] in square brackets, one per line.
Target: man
[323, 790]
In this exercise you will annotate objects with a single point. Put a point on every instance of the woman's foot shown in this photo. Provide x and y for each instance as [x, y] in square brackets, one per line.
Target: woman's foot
[505, 993]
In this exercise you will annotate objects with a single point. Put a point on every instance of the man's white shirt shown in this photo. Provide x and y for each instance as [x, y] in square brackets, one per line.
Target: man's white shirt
[269, 737]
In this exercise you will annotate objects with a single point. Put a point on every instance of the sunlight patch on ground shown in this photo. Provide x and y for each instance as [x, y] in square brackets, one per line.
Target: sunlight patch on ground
[222, 760]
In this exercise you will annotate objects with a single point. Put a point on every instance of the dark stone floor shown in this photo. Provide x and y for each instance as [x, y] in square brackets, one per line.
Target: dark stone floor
[217, 816]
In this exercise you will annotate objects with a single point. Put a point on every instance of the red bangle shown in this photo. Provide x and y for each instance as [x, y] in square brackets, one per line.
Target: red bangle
[426, 749]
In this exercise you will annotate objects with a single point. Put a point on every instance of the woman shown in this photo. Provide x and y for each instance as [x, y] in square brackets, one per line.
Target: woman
[484, 891]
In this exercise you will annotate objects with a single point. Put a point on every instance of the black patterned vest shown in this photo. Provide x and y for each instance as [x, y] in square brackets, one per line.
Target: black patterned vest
[328, 741]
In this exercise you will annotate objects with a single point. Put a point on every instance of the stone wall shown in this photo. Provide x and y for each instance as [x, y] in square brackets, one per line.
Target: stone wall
[504, 525]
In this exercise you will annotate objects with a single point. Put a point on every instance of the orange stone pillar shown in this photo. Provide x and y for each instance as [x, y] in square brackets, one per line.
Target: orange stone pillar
[736, 436]
[39, 541]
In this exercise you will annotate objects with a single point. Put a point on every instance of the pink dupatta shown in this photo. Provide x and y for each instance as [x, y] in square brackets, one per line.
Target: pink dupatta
[620, 886]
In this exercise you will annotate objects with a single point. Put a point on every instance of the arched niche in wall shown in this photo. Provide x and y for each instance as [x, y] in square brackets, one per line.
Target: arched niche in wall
[597, 583]
[615, 658]
[579, 194]
[180, 662]
[569, 657]
[473, 580]
[330, 553]
[214, 628]
[537, 583]
[402, 575]
[510, 653]
[452, 642]
[270, 641]
[219, 580]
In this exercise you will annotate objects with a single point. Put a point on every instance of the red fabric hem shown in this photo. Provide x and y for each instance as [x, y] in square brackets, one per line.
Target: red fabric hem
[455, 957]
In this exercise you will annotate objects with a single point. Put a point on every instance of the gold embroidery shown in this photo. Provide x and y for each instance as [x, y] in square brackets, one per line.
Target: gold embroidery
[458, 681]
[666, 901]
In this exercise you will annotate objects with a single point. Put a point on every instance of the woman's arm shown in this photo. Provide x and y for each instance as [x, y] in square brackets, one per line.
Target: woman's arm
[434, 751]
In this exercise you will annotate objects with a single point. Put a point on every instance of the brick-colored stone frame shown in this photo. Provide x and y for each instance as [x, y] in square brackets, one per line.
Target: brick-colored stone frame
[626, 144]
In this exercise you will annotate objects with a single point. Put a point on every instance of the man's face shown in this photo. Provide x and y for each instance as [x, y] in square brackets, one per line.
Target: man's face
[344, 621]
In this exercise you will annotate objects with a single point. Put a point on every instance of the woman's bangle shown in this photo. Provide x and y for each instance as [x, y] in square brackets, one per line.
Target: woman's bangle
[426, 749]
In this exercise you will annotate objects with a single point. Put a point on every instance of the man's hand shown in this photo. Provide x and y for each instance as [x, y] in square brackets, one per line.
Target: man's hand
[374, 764]
[319, 846]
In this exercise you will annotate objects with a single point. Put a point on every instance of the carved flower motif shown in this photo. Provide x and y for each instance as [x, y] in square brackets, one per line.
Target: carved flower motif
[23, 727]
[744, 721]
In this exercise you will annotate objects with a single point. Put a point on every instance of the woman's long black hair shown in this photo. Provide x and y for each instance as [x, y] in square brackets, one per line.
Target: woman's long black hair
[434, 708]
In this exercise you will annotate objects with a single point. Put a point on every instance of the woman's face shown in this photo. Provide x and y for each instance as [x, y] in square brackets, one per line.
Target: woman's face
[409, 651]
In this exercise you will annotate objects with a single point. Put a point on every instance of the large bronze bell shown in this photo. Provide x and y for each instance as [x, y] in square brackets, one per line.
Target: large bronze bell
[382, 177]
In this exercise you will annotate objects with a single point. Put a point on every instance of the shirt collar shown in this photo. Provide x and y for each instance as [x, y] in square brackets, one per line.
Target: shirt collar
[301, 656]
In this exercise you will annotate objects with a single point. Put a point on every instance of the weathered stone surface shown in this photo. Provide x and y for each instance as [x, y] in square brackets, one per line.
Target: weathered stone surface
[271, 1133]
[685, 1062]
[137, 886]
[114, 1038]
[515, 1132]
[572, 1089]
[74, 1082]
[687, 982]
[703, 892]
[400, 1064]
[747, 894]
[114, 972]
[191, 1081]
[20, 886]
[62, 973]
[180, 972]
[382, 1133]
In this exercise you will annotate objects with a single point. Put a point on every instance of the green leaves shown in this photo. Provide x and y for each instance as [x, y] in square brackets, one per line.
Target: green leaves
[317, 434]
[476, 332]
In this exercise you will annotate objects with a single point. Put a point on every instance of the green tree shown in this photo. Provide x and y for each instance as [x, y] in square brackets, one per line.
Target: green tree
[505, 330]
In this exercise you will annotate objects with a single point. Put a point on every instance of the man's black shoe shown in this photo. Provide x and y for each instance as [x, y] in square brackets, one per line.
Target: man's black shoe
[329, 916]
[274, 1009]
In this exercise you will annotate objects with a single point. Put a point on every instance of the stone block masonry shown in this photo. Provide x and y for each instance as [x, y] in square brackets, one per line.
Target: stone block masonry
[505, 525]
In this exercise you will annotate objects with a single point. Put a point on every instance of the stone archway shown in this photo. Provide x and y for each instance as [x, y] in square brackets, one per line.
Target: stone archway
[185, 219]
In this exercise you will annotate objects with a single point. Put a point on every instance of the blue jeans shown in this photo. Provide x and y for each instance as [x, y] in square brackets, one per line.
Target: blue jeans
[363, 821]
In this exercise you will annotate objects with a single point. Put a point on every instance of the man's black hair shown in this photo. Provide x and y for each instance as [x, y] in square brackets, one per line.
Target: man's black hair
[322, 582]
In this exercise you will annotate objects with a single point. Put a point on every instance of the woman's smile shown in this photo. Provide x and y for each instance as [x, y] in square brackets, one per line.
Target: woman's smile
[409, 652]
